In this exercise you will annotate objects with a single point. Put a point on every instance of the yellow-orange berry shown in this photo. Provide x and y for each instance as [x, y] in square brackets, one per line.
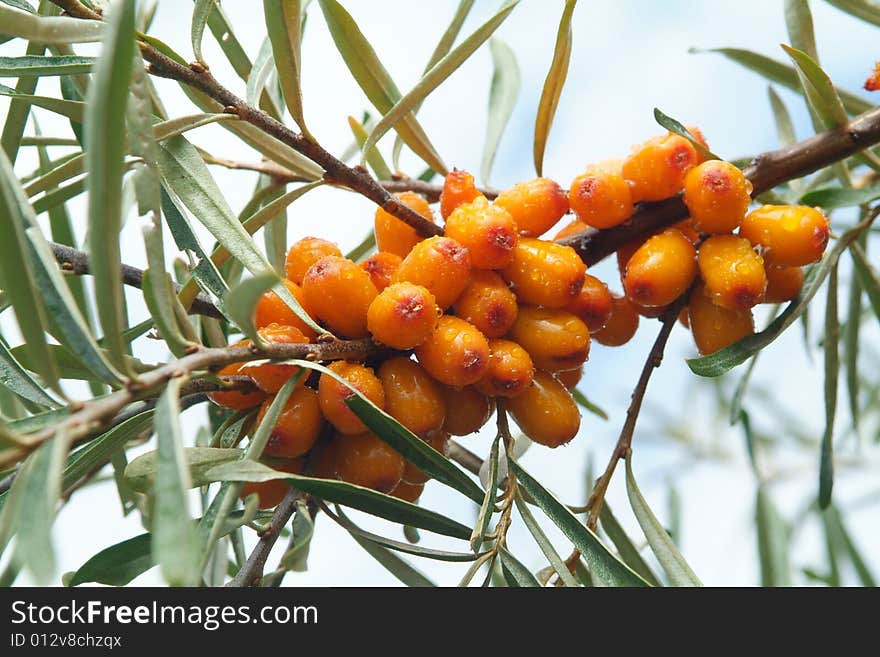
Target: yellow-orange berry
[656, 169]
[408, 492]
[440, 264]
[439, 441]
[546, 411]
[456, 354]
[686, 228]
[270, 377]
[570, 378]
[270, 493]
[396, 236]
[338, 293]
[783, 284]
[535, 205]
[624, 253]
[468, 409]
[545, 273]
[272, 310]
[306, 252]
[733, 273]
[601, 198]
[487, 303]
[661, 269]
[412, 397]
[403, 316]
[233, 399]
[701, 140]
[571, 228]
[790, 235]
[458, 189]
[555, 338]
[486, 230]
[717, 195]
[366, 460]
[322, 459]
[298, 425]
[381, 267]
[715, 327]
[332, 394]
[592, 305]
[510, 370]
[621, 326]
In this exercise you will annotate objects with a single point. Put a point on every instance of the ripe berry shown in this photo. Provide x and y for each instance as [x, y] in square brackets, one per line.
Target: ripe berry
[298, 425]
[656, 169]
[621, 326]
[661, 269]
[535, 205]
[396, 236]
[366, 460]
[332, 395]
[572, 228]
[468, 409]
[592, 305]
[510, 370]
[408, 492]
[555, 338]
[439, 441]
[545, 273]
[546, 411]
[233, 399]
[686, 228]
[487, 303]
[783, 284]
[412, 397]
[403, 316]
[791, 235]
[338, 293]
[717, 195]
[440, 264]
[306, 252]
[270, 377]
[732, 271]
[322, 459]
[270, 493]
[570, 378]
[381, 267]
[624, 253]
[271, 309]
[486, 230]
[715, 327]
[458, 189]
[456, 354]
[601, 197]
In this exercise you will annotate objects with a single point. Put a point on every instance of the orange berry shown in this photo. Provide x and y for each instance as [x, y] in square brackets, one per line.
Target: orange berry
[717, 195]
[686, 228]
[440, 264]
[783, 284]
[600, 198]
[233, 399]
[592, 305]
[270, 493]
[270, 377]
[791, 235]
[510, 370]
[545, 273]
[624, 253]
[570, 378]
[412, 397]
[733, 273]
[715, 327]
[456, 354]
[468, 409]
[408, 492]
[621, 326]
[381, 267]
[572, 228]
[322, 459]
[439, 441]
[656, 169]
[487, 303]
[306, 252]
[332, 394]
[298, 425]
[403, 316]
[651, 312]
[486, 230]
[394, 235]
[458, 189]
[366, 460]
[272, 310]
[555, 338]
[546, 411]
[535, 205]
[701, 140]
[661, 269]
[338, 293]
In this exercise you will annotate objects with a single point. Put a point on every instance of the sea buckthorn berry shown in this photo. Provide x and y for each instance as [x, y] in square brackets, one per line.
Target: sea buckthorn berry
[486, 230]
[456, 354]
[468, 409]
[601, 198]
[555, 338]
[650, 312]
[233, 399]
[661, 269]
[570, 378]
[699, 136]
[458, 189]
[338, 293]
[621, 326]
[624, 253]
[717, 194]
[783, 284]
[408, 492]
[298, 425]
[791, 235]
[306, 252]
[686, 228]
[332, 395]
[270, 377]
[510, 370]
[272, 310]
[270, 493]
[412, 397]
[403, 316]
[366, 460]
[535, 205]
[396, 236]
[439, 441]
[487, 303]
[656, 169]
[571, 228]
[733, 273]
[322, 459]
[440, 264]
[715, 327]
[545, 273]
[592, 305]
[381, 267]
[546, 411]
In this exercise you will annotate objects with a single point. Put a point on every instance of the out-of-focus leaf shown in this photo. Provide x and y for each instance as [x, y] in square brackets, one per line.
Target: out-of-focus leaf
[544, 543]
[243, 298]
[750, 440]
[831, 517]
[401, 569]
[867, 10]
[72, 109]
[283, 25]
[784, 125]
[625, 548]
[867, 275]
[502, 98]
[773, 540]
[832, 375]
[118, 564]
[373, 157]
[48, 29]
[833, 198]
[303, 528]
[20, 4]
[851, 333]
[42, 66]
[799, 21]
[677, 127]
[201, 10]
[515, 572]
[741, 387]
[587, 405]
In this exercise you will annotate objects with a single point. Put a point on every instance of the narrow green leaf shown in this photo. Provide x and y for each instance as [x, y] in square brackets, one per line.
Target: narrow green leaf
[201, 11]
[15, 378]
[42, 66]
[678, 128]
[402, 570]
[118, 564]
[502, 98]
[818, 88]
[243, 298]
[487, 508]
[220, 27]
[515, 572]
[832, 198]
[72, 109]
[587, 405]
[832, 516]
[751, 446]
[625, 547]
[20, 4]
[544, 543]
[799, 21]
[773, 542]
[741, 387]
[784, 124]
[283, 24]
[832, 375]
[264, 65]
[373, 157]
[302, 529]
[17, 115]
[866, 10]
[141, 472]
[70, 365]
[48, 29]
[867, 276]
[851, 334]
